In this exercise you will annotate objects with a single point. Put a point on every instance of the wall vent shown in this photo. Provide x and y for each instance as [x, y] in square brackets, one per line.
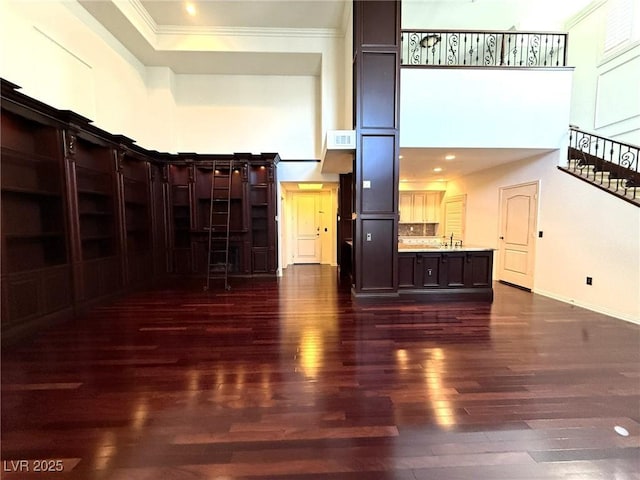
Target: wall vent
[341, 139]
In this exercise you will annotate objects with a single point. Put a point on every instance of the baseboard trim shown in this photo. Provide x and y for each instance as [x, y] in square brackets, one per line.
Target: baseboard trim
[593, 308]
[519, 287]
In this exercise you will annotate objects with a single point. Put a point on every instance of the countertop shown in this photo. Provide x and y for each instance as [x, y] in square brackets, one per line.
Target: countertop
[403, 247]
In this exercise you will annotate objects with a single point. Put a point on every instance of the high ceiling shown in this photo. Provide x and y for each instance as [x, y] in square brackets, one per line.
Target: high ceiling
[327, 14]
[164, 33]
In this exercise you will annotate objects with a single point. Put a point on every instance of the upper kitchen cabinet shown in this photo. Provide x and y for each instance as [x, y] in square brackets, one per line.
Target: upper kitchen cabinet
[420, 207]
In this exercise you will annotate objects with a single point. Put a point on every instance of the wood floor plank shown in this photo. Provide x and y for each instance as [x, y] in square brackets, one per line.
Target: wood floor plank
[292, 378]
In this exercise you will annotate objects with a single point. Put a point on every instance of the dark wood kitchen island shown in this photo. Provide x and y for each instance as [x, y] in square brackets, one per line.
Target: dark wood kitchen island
[446, 273]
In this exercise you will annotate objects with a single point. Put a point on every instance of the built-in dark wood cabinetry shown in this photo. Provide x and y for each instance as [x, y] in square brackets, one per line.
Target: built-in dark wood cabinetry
[87, 215]
[36, 272]
[134, 178]
[94, 215]
[262, 206]
[466, 274]
[180, 214]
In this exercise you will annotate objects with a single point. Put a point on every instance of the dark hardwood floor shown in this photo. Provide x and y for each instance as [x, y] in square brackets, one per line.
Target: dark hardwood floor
[292, 379]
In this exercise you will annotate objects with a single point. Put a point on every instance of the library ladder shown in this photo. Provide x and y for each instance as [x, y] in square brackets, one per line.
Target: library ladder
[219, 223]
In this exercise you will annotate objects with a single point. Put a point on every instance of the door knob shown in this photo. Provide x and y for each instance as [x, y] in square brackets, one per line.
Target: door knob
[501, 238]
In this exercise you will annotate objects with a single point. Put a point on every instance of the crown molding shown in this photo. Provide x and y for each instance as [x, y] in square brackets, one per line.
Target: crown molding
[249, 31]
[584, 13]
[144, 15]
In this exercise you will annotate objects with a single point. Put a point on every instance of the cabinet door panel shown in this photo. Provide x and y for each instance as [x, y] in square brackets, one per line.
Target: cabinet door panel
[479, 269]
[431, 271]
[432, 207]
[406, 270]
[454, 267]
[406, 207]
[419, 213]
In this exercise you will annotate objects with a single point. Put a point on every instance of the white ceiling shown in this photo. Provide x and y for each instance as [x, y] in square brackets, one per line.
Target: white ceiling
[141, 26]
[249, 13]
[417, 164]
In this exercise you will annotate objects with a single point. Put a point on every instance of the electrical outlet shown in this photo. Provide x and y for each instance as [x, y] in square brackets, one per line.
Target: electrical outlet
[589, 281]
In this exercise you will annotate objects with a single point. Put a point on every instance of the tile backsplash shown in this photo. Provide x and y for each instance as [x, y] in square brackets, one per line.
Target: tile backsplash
[417, 229]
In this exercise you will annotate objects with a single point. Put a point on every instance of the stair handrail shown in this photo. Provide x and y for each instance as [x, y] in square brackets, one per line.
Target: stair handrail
[593, 155]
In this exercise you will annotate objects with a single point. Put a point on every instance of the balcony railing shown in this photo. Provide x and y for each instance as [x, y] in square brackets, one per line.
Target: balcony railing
[445, 48]
[605, 162]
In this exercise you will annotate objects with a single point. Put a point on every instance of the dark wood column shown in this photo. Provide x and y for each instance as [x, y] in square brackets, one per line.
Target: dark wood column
[376, 93]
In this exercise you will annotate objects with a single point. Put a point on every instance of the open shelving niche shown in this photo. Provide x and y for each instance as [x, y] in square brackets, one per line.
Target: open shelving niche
[135, 177]
[35, 251]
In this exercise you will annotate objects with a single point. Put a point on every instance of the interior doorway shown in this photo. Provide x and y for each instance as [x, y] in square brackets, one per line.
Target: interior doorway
[307, 244]
[308, 226]
[518, 219]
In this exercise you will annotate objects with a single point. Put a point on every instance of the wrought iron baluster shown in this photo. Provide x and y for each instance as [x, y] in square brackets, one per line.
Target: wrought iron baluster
[611, 154]
[534, 48]
[453, 47]
[546, 49]
[464, 51]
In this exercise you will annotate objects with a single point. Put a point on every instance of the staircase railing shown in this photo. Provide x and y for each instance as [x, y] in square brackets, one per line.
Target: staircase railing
[609, 164]
[474, 48]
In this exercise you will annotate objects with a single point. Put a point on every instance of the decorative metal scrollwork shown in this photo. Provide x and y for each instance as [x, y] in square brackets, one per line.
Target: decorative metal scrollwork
[453, 49]
[534, 48]
[628, 160]
[472, 48]
[491, 43]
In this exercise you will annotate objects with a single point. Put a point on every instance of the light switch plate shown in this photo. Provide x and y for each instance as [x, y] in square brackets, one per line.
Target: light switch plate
[366, 184]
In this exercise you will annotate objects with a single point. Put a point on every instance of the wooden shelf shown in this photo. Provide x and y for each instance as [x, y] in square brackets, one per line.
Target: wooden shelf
[29, 191]
[33, 236]
[9, 154]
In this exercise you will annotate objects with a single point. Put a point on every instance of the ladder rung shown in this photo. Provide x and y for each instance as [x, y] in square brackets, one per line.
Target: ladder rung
[219, 227]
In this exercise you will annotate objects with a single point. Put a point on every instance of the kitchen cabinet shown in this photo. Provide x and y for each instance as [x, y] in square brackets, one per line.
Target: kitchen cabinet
[420, 207]
[447, 274]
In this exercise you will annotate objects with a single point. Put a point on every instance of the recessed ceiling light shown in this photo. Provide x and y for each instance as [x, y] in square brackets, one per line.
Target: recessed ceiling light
[437, 169]
[449, 157]
[190, 8]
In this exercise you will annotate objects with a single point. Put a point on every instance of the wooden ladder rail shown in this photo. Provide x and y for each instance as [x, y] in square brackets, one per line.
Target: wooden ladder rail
[227, 231]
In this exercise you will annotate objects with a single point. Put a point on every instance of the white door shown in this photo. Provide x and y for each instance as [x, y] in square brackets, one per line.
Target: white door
[518, 213]
[306, 221]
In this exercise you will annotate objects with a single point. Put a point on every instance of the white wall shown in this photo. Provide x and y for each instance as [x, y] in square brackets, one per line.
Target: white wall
[87, 70]
[250, 113]
[484, 108]
[540, 15]
[65, 62]
[587, 232]
[606, 87]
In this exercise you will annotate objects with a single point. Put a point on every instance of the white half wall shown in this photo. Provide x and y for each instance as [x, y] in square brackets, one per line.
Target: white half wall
[484, 108]
[587, 232]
